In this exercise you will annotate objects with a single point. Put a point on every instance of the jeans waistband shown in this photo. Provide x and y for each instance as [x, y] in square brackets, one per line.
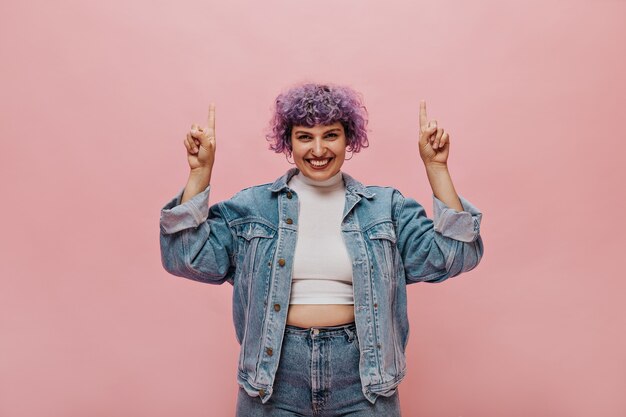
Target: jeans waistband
[322, 330]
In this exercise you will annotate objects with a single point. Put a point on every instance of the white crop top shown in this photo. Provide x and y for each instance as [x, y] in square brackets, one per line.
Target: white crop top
[322, 269]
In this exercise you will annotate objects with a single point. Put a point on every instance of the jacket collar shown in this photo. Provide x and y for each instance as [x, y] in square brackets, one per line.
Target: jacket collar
[352, 185]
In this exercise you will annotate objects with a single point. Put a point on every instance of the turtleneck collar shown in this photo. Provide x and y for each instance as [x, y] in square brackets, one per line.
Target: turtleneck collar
[333, 182]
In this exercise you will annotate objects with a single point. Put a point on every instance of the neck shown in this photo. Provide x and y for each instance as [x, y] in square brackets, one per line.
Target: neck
[329, 182]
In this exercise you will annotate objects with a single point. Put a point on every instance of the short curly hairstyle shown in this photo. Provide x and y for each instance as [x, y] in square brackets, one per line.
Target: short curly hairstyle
[311, 104]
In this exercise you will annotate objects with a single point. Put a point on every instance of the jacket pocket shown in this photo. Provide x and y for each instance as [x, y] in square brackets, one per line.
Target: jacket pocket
[249, 235]
[382, 238]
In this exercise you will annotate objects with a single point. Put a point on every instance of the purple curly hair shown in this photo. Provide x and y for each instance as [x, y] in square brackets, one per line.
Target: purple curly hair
[313, 104]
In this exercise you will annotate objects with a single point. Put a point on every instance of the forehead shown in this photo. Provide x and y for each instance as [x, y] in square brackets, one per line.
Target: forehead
[317, 128]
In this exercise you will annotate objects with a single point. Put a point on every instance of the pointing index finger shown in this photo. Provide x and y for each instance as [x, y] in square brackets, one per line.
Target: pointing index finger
[211, 127]
[423, 117]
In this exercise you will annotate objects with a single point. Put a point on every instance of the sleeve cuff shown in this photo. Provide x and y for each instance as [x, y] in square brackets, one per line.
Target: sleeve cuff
[457, 225]
[193, 212]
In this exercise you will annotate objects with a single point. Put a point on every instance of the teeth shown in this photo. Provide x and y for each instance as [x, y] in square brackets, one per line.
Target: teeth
[319, 163]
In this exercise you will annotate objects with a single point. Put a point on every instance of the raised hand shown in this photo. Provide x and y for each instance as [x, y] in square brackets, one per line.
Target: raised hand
[434, 143]
[200, 144]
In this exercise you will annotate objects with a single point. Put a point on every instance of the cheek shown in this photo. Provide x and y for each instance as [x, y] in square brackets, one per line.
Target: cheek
[297, 152]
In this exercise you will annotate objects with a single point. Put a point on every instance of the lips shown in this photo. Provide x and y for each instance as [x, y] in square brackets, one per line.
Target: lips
[319, 159]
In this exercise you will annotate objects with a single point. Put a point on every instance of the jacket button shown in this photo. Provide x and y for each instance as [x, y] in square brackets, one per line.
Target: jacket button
[378, 345]
[269, 351]
[289, 194]
[261, 392]
[281, 262]
[289, 221]
[375, 305]
[276, 307]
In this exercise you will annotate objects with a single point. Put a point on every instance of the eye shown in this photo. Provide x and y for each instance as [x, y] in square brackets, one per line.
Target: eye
[305, 137]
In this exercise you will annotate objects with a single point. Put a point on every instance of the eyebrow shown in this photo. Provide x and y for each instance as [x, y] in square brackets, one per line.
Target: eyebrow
[331, 130]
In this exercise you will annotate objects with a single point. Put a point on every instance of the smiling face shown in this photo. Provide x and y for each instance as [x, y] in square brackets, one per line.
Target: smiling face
[312, 147]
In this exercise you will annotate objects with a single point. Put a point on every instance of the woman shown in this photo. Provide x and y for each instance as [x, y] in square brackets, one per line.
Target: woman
[319, 263]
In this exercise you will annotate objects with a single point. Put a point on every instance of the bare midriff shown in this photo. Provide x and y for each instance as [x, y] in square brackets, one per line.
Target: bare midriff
[311, 315]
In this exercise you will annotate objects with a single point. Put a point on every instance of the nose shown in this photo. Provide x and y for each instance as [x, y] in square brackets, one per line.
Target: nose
[318, 147]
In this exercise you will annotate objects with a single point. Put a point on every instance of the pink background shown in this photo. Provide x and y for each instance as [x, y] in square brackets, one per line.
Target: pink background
[96, 98]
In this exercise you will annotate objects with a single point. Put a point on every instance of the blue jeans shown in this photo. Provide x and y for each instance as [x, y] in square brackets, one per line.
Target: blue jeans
[318, 375]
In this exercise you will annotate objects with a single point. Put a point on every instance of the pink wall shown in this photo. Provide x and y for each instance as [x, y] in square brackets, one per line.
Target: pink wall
[96, 98]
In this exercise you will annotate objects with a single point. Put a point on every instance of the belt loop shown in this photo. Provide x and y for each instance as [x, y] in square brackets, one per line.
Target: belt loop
[350, 333]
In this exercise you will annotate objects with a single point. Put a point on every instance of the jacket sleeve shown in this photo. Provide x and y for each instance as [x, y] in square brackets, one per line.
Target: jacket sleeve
[433, 251]
[196, 240]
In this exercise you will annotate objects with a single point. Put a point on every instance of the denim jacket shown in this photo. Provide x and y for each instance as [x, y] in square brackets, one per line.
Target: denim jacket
[249, 241]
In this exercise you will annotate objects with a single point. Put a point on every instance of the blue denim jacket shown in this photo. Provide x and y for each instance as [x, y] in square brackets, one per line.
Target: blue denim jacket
[249, 241]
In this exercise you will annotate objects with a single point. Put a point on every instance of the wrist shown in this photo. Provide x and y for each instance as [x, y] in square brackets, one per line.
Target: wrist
[200, 173]
[200, 178]
[198, 181]
[436, 166]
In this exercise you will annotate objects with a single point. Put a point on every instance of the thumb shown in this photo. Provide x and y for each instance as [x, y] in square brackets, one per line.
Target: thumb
[429, 131]
[203, 137]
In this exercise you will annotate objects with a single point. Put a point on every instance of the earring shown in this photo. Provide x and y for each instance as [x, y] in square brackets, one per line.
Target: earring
[351, 155]
[287, 158]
